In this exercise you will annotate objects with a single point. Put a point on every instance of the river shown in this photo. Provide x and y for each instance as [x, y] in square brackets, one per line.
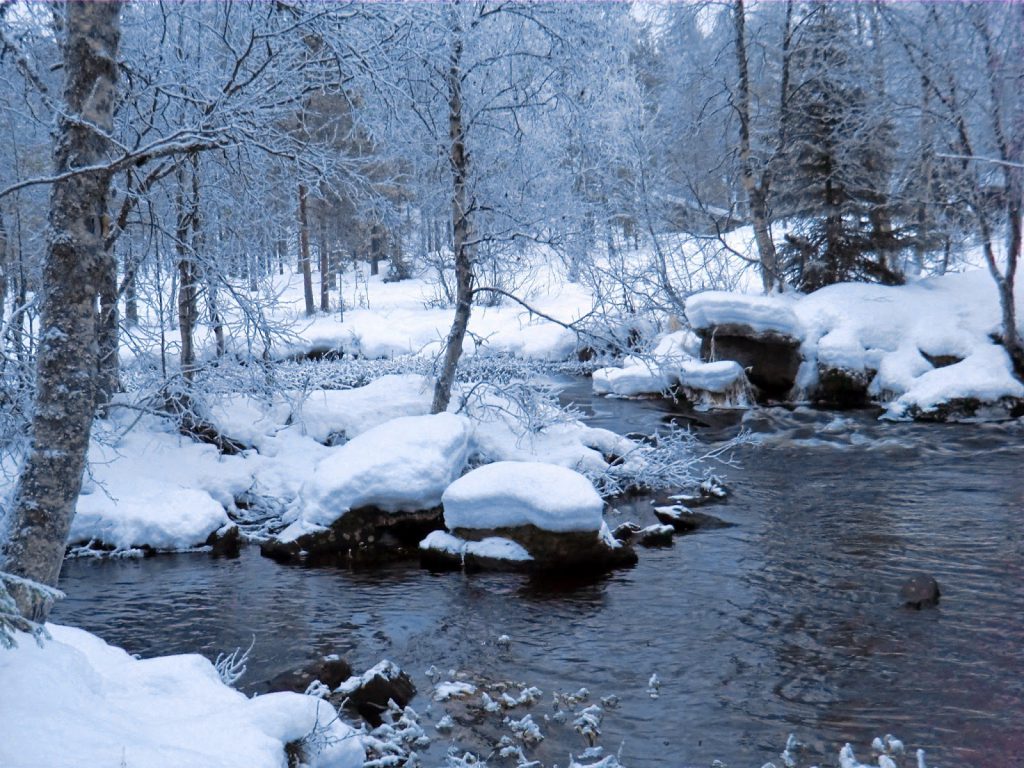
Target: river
[789, 621]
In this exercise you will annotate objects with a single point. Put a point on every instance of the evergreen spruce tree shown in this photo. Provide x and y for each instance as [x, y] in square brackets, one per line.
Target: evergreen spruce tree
[836, 165]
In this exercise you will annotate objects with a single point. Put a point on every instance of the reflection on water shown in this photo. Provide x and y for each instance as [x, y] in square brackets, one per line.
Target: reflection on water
[787, 622]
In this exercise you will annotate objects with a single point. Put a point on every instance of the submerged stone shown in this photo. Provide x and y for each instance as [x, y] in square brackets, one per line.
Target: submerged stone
[920, 591]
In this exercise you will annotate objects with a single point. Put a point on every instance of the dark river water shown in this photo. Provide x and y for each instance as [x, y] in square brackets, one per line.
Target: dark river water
[788, 622]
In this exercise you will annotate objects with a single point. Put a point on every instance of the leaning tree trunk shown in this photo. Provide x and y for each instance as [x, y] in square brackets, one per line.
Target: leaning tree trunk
[461, 229]
[44, 499]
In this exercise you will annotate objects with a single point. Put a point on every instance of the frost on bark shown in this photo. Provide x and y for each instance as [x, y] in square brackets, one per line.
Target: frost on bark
[461, 228]
[44, 500]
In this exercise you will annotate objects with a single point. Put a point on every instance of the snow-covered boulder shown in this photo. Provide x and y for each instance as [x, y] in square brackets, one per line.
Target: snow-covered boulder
[551, 512]
[386, 483]
[761, 333]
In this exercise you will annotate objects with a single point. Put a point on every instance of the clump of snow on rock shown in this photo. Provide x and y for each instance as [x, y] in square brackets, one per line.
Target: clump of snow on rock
[514, 493]
[113, 709]
[492, 547]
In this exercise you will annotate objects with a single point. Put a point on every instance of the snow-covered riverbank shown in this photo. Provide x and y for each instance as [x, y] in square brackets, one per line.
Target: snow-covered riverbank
[927, 349]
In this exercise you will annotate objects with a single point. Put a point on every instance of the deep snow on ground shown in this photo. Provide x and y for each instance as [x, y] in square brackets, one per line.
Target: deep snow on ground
[76, 701]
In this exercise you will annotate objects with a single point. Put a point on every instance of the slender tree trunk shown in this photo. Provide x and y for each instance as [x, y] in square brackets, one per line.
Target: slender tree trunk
[325, 268]
[187, 313]
[757, 193]
[461, 229]
[307, 275]
[44, 500]
[108, 369]
[3, 269]
[131, 289]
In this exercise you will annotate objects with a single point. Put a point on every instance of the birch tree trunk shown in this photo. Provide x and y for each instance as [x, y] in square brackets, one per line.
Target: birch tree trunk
[44, 500]
[461, 229]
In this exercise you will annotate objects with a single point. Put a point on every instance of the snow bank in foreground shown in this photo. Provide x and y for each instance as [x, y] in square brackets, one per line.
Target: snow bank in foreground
[77, 701]
[508, 494]
[402, 465]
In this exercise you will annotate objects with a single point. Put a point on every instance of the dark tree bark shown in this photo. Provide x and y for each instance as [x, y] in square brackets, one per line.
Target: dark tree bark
[307, 274]
[44, 500]
[461, 229]
[187, 281]
[325, 268]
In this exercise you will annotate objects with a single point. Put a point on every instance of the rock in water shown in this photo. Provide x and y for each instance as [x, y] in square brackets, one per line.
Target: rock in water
[370, 692]
[920, 591]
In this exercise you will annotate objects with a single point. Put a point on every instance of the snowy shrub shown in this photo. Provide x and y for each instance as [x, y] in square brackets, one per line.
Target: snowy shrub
[11, 620]
[232, 666]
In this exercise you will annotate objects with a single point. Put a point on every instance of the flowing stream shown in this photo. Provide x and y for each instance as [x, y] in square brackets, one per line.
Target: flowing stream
[790, 621]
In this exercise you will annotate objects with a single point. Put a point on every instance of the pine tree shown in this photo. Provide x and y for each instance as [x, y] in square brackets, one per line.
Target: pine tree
[836, 166]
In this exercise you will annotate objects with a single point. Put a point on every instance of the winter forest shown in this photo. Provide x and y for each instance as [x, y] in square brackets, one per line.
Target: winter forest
[534, 384]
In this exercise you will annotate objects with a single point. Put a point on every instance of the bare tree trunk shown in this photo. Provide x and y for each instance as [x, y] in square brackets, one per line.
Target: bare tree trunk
[376, 248]
[108, 379]
[131, 289]
[325, 268]
[187, 313]
[3, 268]
[307, 275]
[461, 229]
[44, 499]
[757, 193]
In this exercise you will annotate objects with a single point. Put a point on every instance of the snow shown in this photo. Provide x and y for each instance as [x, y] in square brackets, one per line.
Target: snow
[153, 486]
[492, 547]
[508, 494]
[674, 360]
[388, 319]
[763, 314]
[881, 333]
[453, 690]
[351, 412]
[404, 464]
[77, 701]
[718, 377]
[885, 331]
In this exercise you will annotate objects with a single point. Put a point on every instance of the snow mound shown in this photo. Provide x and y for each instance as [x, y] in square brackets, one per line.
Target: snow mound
[78, 701]
[762, 314]
[720, 377]
[164, 518]
[152, 486]
[508, 494]
[401, 465]
[351, 412]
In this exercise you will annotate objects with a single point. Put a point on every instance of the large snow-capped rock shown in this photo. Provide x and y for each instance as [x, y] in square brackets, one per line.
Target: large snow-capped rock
[507, 494]
[760, 333]
[552, 513]
[390, 476]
